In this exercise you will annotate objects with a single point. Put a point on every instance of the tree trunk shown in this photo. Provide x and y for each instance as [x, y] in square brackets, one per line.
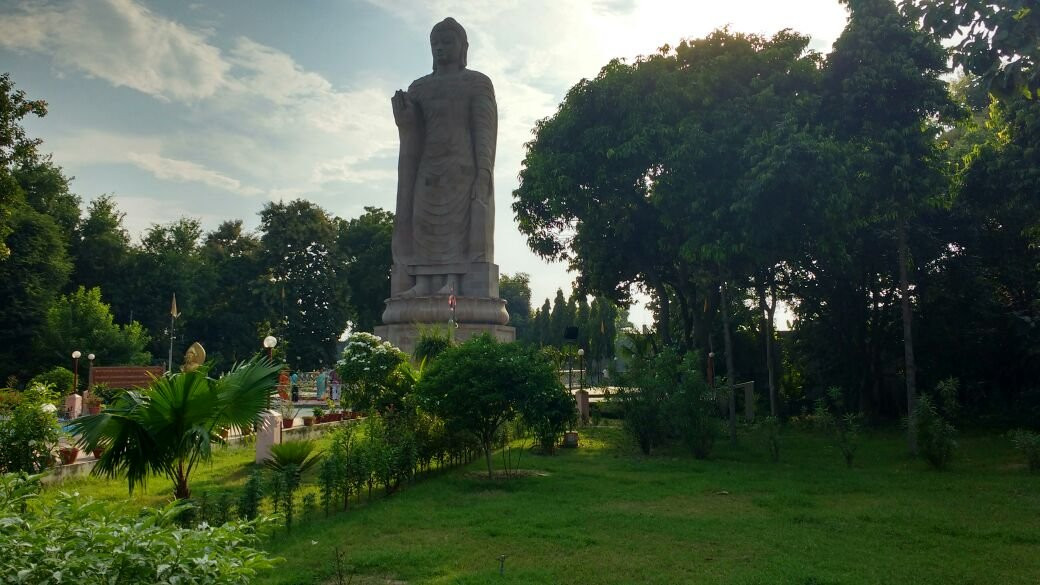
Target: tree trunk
[665, 325]
[487, 456]
[767, 313]
[181, 491]
[908, 339]
[731, 376]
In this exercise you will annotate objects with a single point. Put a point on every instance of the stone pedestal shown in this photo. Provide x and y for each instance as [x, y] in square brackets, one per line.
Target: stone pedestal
[404, 335]
[73, 405]
[582, 398]
[270, 433]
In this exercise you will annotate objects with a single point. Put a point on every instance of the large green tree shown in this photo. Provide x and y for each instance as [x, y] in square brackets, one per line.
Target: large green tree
[516, 290]
[883, 93]
[81, 321]
[304, 281]
[16, 148]
[364, 245]
[230, 315]
[31, 279]
[102, 255]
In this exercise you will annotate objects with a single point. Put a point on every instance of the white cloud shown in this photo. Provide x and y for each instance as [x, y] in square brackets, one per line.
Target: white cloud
[187, 171]
[121, 42]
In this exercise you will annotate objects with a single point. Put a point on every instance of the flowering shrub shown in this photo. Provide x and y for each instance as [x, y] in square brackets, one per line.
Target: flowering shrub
[371, 371]
[75, 541]
[29, 431]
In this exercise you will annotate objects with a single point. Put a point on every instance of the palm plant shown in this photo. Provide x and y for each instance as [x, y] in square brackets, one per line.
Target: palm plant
[301, 455]
[169, 427]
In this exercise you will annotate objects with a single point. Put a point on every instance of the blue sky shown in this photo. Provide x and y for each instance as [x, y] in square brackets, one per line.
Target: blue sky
[210, 109]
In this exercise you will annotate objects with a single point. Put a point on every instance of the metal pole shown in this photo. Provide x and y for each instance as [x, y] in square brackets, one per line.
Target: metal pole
[75, 375]
[169, 364]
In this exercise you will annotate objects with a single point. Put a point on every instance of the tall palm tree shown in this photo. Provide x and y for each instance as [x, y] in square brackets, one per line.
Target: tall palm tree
[169, 427]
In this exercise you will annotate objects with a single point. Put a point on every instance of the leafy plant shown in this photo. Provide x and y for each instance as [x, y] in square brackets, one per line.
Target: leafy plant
[106, 393]
[70, 539]
[252, 496]
[549, 412]
[58, 378]
[935, 432]
[1028, 442]
[300, 455]
[842, 426]
[431, 343]
[369, 370]
[29, 431]
[771, 427]
[288, 410]
[169, 427]
[479, 385]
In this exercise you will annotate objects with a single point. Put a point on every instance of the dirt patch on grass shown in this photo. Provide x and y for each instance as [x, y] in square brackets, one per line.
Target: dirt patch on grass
[500, 475]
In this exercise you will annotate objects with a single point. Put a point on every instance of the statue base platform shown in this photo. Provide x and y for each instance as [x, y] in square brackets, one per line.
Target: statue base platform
[436, 309]
[405, 336]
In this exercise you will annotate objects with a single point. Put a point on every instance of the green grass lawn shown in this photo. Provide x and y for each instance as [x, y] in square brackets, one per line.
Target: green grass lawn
[605, 514]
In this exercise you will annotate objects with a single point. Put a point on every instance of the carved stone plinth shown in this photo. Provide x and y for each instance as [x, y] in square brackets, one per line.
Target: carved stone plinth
[436, 309]
[405, 335]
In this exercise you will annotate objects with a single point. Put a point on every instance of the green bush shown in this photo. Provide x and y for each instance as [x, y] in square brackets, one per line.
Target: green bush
[771, 428]
[69, 539]
[935, 433]
[608, 409]
[249, 501]
[58, 378]
[691, 402]
[9, 399]
[29, 432]
[664, 397]
[549, 413]
[370, 369]
[432, 342]
[830, 417]
[1028, 443]
[106, 393]
[478, 386]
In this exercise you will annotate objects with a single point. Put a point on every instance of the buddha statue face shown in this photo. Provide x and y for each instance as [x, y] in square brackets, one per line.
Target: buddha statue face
[448, 44]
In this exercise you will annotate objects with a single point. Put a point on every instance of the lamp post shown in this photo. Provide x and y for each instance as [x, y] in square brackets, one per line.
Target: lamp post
[75, 370]
[90, 371]
[711, 369]
[581, 368]
[269, 342]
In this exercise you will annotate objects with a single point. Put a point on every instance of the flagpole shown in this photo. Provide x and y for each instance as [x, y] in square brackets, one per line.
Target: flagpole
[174, 313]
[169, 363]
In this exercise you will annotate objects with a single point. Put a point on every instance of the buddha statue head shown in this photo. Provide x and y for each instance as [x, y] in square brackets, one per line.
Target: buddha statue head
[448, 43]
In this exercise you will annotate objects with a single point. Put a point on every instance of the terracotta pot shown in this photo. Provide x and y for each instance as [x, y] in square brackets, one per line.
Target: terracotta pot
[97, 452]
[224, 434]
[308, 421]
[68, 455]
[94, 409]
[287, 423]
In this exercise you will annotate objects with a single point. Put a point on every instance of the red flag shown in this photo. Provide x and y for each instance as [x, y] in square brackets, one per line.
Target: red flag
[451, 297]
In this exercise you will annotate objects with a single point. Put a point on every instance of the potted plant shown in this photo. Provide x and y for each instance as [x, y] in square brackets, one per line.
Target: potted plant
[289, 414]
[319, 415]
[68, 454]
[92, 403]
[97, 452]
[308, 421]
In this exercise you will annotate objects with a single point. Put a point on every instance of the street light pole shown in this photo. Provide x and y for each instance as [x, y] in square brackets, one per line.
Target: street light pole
[75, 371]
[269, 342]
[581, 368]
[90, 372]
